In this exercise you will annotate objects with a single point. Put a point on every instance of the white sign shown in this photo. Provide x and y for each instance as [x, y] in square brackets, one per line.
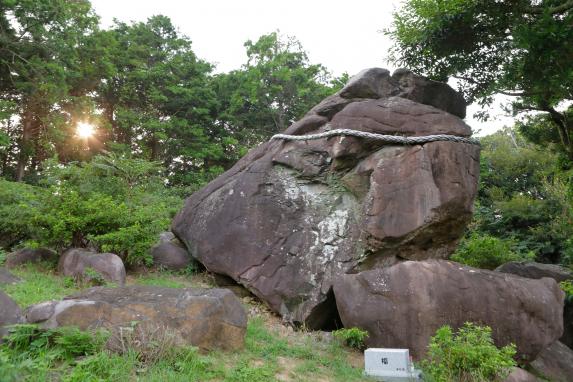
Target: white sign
[394, 364]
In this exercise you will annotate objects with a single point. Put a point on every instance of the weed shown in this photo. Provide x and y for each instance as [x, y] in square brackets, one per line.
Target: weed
[352, 337]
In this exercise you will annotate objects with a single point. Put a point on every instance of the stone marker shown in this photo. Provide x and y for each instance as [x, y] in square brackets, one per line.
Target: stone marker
[290, 217]
[393, 365]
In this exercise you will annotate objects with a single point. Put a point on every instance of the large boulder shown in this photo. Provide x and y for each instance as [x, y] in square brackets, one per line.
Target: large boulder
[290, 217]
[75, 263]
[402, 306]
[554, 363]
[30, 255]
[533, 270]
[209, 319]
[7, 278]
[10, 313]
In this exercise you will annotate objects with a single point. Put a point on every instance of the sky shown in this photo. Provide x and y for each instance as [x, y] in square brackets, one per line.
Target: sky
[344, 36]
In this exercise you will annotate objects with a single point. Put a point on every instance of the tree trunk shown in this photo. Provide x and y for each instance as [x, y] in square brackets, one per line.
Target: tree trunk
[25, 145]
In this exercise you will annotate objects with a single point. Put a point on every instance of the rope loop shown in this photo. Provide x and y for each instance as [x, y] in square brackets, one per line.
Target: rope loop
[396, 139]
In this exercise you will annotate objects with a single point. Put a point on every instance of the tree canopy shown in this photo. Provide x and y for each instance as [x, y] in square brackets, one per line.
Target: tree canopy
[517, 48]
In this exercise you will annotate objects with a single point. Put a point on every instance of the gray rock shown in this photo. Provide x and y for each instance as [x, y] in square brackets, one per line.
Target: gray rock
[520, 375]
[7, 278]
[170, 256]
[30, 255]
[10, 313]
[535, 270]
[75, 261]
[290, 217]
[402, 306]
[209, 319]
[428, 92]
[370, 83]
[555, 363]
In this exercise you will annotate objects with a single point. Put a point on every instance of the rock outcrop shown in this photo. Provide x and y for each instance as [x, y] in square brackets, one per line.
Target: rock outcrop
[30, 255]
[290, 217]
[555, 363]
[75, 263]
[520, 375]
[533, 270]
[209, 319]
[10, 313]
[402, 306]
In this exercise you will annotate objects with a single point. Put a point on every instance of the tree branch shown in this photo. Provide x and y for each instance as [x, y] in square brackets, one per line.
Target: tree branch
[552, 11]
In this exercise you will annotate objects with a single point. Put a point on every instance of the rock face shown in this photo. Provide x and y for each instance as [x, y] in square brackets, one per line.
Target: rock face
[30, 255]
[534, 270]
[74, 262]
[10, 313]
[402, 306]
[170, 253]
[290, 217]
[555, 363]
[7, 278]
[209, 319]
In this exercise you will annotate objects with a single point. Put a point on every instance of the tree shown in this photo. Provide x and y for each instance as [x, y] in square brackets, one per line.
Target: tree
[518, 48]
[158, 102]
[276, 86]
[523, 205]
[47, 66]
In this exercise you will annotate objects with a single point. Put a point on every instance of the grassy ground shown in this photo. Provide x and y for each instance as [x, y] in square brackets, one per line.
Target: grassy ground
[273, 351]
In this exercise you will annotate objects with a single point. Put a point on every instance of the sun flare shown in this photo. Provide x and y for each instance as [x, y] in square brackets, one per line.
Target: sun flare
[85, 130]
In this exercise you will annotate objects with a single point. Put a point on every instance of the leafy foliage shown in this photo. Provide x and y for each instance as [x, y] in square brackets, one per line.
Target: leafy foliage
[488, 252]
[517, 48]
[523, 207]
[114, 203]
[567, 287]
[352, 337]
[468, 355]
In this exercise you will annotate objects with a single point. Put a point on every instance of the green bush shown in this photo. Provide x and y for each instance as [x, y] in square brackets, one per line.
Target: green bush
[487, 252]
[352, 337]
[468, 355]
[116, 204]
[567, 287]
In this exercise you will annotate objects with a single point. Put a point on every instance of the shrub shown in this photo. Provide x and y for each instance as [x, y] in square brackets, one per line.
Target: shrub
[468, 355]
[114, 203]
[567, 287]
[352, 337]
[488, 252]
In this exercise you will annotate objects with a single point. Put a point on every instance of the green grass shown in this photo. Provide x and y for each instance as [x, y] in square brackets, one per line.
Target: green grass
[39, 283]
[161, 280]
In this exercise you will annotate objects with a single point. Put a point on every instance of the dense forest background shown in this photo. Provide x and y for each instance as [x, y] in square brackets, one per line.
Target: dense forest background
[164, 123]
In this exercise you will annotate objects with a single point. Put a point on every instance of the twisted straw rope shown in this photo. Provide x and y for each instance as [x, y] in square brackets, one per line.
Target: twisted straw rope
[380, 137]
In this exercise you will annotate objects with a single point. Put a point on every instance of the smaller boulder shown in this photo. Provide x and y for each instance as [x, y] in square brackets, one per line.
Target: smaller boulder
[30, 255]
[554, 363]
[520, 375]
[533, 270]
[402, 306]
[10, 313]
[75, 262]
[170, 253]
[206, 318]
[7, 278]
[370, 83]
